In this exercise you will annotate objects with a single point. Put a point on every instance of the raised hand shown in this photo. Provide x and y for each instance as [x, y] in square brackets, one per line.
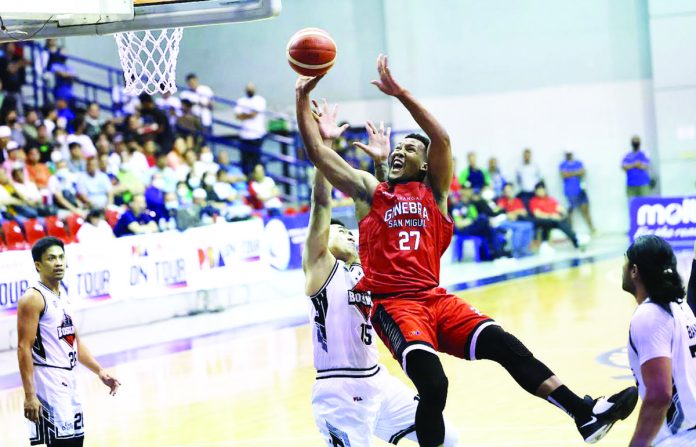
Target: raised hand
[386, 82]
[378, 142]
[325, 116]
[306, 84]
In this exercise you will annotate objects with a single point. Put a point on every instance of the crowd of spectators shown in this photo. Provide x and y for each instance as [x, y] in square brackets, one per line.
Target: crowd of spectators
[146, 169]
[514, 216]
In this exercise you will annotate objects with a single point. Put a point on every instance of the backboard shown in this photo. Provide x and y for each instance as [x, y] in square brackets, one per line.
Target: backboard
[147, 14]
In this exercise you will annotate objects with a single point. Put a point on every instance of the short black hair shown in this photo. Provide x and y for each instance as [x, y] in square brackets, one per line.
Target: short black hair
[337, 222]
[420, 137]
[539, 185]
[657, 266]
[145, 98]
[191, 76]
[43, 244]
[94, 213]
[74, 144]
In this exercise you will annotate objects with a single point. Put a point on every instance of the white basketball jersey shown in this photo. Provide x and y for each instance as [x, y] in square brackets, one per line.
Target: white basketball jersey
[344, 341]
[55, 345]
[669, 334]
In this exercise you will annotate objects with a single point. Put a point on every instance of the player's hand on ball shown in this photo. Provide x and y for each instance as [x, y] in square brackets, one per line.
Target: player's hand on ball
[110, 381]
[378, 142]
[32, 408]
[326, 118]
[306, 84]
[386, 82]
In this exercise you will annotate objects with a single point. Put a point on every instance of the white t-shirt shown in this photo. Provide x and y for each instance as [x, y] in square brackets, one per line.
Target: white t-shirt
[91, 234]
[528, 176]
[654, 333]
[264, 190]
[202, 99]
[252, 128]
[88, 148]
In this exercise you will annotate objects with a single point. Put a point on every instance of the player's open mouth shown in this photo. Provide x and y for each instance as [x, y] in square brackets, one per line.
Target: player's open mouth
[397, 163]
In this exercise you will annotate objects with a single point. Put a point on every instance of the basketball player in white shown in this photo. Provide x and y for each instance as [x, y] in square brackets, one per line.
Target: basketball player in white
[48, 351]
[662, 346]
[354, 398]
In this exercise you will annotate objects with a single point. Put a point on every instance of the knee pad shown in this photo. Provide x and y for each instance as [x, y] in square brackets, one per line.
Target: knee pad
[426, 372]
[505, 349]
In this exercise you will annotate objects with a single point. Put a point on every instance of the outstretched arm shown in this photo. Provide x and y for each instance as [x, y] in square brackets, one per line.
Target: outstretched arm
[440, 163]
[357, 184]
[377, 147]
[317, 260]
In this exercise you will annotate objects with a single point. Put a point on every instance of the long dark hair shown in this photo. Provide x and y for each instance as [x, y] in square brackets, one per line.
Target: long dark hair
[657, 266]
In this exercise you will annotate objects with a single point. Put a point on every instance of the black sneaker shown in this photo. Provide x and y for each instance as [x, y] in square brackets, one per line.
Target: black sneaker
[605, 412]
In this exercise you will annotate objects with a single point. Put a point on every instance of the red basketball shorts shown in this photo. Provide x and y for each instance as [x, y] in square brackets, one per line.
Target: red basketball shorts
[433, 320]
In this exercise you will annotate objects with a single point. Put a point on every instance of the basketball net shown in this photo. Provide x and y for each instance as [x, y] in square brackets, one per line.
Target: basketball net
[148, 59]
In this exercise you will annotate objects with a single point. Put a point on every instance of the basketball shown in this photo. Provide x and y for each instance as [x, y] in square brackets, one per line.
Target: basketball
[311, 52]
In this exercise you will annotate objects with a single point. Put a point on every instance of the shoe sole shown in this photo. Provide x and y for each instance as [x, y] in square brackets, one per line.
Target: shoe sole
[623, 407]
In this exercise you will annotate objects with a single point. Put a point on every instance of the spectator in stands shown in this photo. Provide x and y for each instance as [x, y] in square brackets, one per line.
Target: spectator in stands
[132, 128]
[528, 176]
[15, 154]
[251, 111]
[175, 157]
[469, 222]
[157, 120]
[94, 187]
[13, 206]
[206, 212]
[37, 171]
[573, 173]
[95, 229]
[12, 74]
[132, 155]
[167, 173]
[150, 149]
[93, 121]
[64, 78]
[478, 178]
[44, 143]
[128, 185]
[521, 231]
[10, 118]
[264, 192]
[62, 185]
[29, 128]
[548, 214]
[171, 204]
[496, 177]
[637, 166]
[183, 193]
[137, 219]
[27, 189]
[188, 123]
[193, 177]
[76, 162]
[171, 106]
[201, 97]
[155, 197]
[5, 138]
[225, 193]
[79, 136]
[206, 162]
[50, 117]
[64, 113]
[513, 206]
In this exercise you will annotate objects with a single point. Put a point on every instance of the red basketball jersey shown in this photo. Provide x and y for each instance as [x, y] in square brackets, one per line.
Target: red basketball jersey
[402, 240]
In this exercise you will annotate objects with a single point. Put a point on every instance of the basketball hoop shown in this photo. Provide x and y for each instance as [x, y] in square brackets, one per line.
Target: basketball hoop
[148, 59]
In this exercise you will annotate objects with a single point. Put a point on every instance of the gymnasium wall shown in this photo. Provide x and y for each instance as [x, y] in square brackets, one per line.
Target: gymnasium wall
[502, 75]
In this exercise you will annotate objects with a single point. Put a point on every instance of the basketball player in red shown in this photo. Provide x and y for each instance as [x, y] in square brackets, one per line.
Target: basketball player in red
[404, 230]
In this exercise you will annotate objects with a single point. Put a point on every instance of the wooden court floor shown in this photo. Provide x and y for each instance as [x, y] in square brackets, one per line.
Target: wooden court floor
[254, 389]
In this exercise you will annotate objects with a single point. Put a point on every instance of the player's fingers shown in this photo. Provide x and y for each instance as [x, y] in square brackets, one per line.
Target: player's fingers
[370, 126]
[388, 134]
[360, 145]
[381, 127]
[344, 127]
[334, 110]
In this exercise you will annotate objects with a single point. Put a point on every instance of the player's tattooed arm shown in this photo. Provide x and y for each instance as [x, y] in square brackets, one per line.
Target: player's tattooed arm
[378, 148]
[357, 184]
[440, 163]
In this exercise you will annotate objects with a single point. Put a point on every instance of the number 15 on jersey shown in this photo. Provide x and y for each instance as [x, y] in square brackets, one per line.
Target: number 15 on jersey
[409, 240]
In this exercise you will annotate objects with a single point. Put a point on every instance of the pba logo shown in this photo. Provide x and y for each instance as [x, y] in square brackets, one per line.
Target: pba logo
[139, 251]
[210, 258]
[66, 330]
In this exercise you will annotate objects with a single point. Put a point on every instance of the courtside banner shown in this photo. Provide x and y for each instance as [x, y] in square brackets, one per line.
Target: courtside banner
[157, 264]
[671, 218]
[16, 273]
[226, 254]
[95, 273]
